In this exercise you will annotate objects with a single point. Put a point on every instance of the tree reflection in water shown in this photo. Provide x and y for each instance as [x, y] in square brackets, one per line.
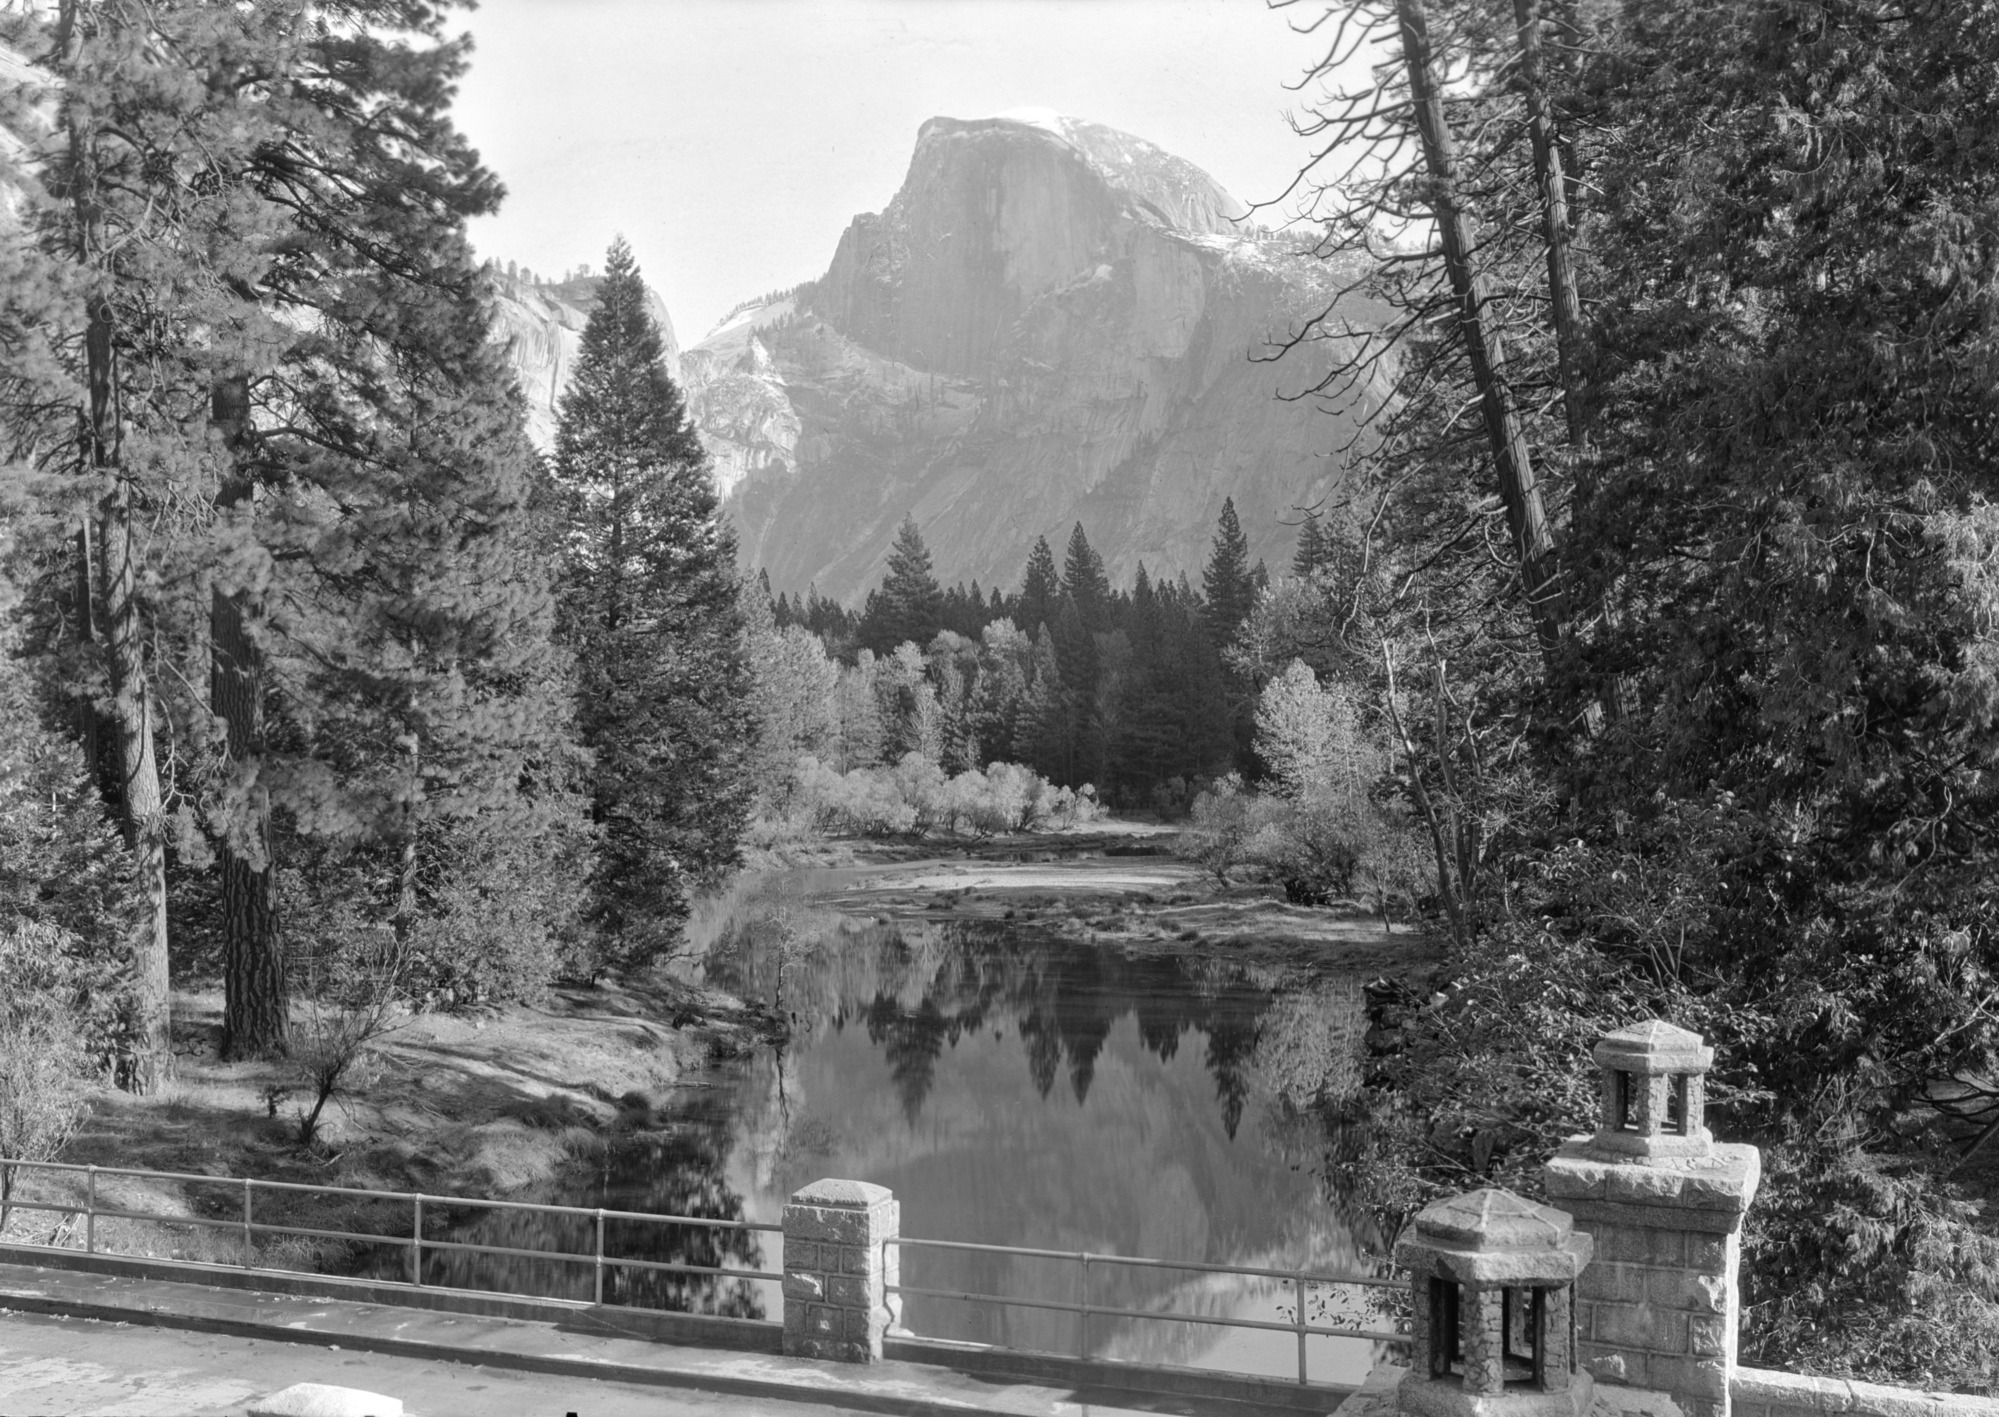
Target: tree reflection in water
[677, 1171]
[920, 990]
[991, 1076]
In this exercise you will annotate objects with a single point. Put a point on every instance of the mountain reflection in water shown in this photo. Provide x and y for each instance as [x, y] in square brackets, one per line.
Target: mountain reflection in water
[1012, 1090]
[1017, 1090]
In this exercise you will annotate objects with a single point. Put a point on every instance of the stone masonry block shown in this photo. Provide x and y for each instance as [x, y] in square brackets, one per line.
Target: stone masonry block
[840, 1227]
[1641, 1327]
[1686, 1377]
[849, 1291]
[1596, 1216]
[1708, 1252]
[1708, 1338]
[820, 1320]
[802, 1288]
[1616, 1283]
[1642, 1183]
[861, 1259]
[1638, 1244]
[1685, 1289]
[1626, 1368]
[1790, 1394]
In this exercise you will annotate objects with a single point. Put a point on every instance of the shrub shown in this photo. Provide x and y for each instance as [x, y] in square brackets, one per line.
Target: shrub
[917, 796]
[1219, 829]
[44, 1057]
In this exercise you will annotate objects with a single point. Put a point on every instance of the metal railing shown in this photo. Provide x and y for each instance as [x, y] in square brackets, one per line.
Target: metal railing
[1300, 1280]
[415, 1243]
[247, 1227]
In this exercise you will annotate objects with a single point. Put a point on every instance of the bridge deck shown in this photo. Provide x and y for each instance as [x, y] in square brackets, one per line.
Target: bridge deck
[450, 1352]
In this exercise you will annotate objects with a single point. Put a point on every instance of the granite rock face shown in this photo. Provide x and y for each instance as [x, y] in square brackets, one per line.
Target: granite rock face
[1051, 322]
[541, 326]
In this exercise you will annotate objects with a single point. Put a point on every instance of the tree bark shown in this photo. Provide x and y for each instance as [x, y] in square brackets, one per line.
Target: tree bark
[1519, 489]
[130, 719]
[1555, 224]
[129, 712]
[256, 1009]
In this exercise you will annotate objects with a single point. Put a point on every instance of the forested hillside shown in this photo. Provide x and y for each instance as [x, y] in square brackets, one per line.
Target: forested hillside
[314, 667]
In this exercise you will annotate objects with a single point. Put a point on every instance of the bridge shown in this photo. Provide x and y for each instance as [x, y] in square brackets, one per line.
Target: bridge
[1624, 1301]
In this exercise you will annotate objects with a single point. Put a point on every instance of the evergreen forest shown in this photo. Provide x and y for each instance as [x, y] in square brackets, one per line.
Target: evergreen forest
[1648, 657]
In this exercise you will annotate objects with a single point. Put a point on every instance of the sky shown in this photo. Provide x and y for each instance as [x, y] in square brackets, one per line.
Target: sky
[731, 141]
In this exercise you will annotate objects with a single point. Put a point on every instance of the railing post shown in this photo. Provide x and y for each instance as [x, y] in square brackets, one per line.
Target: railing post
[600, 1255]
[837, 1270]
[1083, 1345]
[90, 1213]
[1299, 1317]
[416, 1239]
[249, 1242]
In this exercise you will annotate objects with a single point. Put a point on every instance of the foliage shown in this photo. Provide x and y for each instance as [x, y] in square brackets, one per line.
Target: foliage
[68, 901]
[915, 796]
[44, 1051]
[650, 603]
[795, 697]
[1220, 828]
[909, 606]
[320, 460]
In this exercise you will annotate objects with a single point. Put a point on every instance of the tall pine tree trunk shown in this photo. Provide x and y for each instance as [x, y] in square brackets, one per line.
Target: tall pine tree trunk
[256, 1012]
[1553, 157]
[1519, 488]
[130, 718]
[1555, 224]
[129, 722]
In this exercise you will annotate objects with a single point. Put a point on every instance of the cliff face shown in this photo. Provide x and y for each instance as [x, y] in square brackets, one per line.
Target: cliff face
[1051, 322]
[541, 326]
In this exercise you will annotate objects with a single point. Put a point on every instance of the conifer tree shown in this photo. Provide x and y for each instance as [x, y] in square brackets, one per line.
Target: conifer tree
[1228, 581]
[1040, 589]
[650, 604]
[908, 608]
[1085, 582]
[287, 338]
[1311, 547]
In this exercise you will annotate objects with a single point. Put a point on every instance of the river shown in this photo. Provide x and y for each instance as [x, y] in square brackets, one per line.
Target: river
[1012, 1089]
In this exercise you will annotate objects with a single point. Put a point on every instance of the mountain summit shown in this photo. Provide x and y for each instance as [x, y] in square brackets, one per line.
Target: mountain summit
[1052, 321]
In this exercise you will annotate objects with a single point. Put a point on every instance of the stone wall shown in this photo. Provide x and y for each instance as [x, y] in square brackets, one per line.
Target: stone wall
[1757, 1392]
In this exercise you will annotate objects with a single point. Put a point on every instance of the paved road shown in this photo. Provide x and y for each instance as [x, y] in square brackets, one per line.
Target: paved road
[54, 1367]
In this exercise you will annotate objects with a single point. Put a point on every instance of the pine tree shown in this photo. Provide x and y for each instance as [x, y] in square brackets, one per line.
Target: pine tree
[1311, 551]
[1040, 589]
[1227, 582]
[1084, 581]
[650, 604]
[287, 339]
[909, 607]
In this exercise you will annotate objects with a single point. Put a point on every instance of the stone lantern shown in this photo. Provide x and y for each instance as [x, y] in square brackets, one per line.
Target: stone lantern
[1492, 1287]
[1653, 1091]
[1664, 1202]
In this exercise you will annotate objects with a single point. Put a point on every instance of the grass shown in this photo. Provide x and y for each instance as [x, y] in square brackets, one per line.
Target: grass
[487, 1106]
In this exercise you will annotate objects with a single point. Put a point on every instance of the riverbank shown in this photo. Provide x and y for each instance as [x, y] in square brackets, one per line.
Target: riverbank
[493, 1102]
[1118, 885]
[508, 1101]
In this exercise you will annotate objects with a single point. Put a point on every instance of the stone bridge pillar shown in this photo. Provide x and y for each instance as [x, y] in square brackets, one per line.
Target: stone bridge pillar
[837, 1269]
[1664, 1201]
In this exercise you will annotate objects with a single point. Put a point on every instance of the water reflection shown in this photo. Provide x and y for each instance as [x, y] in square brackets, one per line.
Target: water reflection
[675, 1171]
[1013, 1089]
